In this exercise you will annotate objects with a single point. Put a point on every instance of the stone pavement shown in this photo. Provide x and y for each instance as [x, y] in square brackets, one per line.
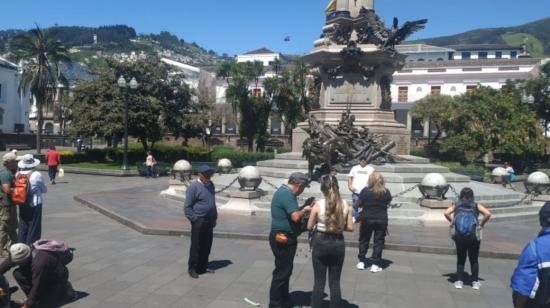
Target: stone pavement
[144, 210]
[116, 266]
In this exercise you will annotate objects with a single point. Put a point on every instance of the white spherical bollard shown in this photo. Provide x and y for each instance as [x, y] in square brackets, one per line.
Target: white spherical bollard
[224, 165]
[434, 186]
[182, 168]
[538, 183]
[250, 177]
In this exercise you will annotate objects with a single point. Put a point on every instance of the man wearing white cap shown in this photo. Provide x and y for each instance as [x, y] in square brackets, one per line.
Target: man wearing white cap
[41, 275]
[8, 211]
[30, 214]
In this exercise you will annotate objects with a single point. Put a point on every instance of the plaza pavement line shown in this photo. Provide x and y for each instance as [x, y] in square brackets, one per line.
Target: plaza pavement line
[91, 171]
[148, 230]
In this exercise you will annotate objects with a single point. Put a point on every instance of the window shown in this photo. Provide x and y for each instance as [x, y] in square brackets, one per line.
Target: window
[439, 59]
[403, 95]
[470, 88]
[513, 54]
[420, 60]
[275, 126]
[466, 55]
[498, 55]
[437, 70]
[453, 89]
[482, 55]
[417, 127]
[509, 68]
[48, 128]
[419, 89]
[257, 92]
[1, 116]
[436, 90]
[230, 128]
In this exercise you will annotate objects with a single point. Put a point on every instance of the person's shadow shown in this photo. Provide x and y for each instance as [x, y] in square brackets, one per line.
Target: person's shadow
[384, 263]
[468, 280]
[78, 295]
[219, 264]
[302, 298]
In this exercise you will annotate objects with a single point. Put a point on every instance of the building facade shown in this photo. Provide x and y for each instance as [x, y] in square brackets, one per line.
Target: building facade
[14, 107]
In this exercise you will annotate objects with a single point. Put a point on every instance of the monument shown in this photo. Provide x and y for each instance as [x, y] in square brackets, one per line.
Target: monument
[355, 60]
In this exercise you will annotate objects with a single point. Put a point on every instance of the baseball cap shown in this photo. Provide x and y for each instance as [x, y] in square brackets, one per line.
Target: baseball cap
[299, 178]
[205, 169]
[10, 156]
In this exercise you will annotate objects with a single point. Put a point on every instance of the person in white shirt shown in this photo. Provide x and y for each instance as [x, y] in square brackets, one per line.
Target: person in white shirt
[357, 180]
[30, 214]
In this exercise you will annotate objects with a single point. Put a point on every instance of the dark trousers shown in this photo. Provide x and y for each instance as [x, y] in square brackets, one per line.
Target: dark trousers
[284, 262]
[328, 255]
[52, 171]
[30, 224]
[49, 295]
[467, 246]
[368, 227]
[202, 235]
[150, 171]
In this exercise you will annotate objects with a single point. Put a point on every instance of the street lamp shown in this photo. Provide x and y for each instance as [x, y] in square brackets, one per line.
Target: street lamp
[124, 86]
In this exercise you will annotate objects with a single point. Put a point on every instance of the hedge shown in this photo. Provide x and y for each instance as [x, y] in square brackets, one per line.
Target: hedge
[162, 153]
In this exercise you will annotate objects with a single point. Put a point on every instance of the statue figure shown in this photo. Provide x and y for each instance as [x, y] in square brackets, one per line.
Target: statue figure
[333, 148]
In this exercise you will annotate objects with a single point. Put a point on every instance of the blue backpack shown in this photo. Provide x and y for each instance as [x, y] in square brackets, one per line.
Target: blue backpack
[465, 221]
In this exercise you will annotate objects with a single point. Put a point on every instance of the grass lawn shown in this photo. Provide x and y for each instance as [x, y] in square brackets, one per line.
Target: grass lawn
[108, 166]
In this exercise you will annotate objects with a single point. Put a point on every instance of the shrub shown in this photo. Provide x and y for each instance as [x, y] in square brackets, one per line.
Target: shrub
[238, 158]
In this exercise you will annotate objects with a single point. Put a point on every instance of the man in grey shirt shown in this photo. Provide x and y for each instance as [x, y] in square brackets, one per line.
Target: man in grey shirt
[200, 209]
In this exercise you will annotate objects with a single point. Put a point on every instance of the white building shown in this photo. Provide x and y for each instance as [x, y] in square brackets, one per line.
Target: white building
[14, 108]
[264, 55]
[465, 67]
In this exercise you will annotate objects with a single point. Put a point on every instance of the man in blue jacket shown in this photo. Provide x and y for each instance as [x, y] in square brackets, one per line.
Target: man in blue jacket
[200, 209]
[531, 278]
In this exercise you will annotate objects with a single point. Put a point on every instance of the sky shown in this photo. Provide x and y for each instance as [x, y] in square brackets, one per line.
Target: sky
[238, 26]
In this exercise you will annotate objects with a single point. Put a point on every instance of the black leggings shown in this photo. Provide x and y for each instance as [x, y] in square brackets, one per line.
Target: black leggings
[328, 255]
[467, 246]
[366, 231]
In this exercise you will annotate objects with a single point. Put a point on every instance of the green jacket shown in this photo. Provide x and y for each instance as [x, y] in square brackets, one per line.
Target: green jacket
[5, 177]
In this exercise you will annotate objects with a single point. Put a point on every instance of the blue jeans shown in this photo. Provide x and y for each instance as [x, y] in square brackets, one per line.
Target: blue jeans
[354, 208]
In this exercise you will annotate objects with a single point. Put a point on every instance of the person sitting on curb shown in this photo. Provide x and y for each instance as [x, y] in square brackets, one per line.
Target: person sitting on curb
[531, 278]
[41, 275]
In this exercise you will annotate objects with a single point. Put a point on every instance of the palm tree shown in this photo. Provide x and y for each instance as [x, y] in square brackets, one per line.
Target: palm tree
[43, 54]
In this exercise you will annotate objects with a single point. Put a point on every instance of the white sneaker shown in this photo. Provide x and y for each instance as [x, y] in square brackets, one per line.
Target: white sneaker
[375, 268]
[476, 285]
[360, 266]
[459, 284]
[353, 219]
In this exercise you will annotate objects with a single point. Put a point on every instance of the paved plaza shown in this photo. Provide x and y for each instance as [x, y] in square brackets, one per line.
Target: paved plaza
[116, 266]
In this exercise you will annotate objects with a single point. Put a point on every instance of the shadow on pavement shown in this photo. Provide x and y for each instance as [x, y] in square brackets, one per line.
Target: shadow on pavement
[302, 298]
[451, 277]
[218, 264]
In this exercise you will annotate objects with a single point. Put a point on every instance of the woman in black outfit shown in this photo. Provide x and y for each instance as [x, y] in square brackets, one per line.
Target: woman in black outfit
[332, 215]
[375, 200]
[468, 244]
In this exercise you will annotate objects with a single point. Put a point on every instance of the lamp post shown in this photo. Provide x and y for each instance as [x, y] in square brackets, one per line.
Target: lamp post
[124, 86]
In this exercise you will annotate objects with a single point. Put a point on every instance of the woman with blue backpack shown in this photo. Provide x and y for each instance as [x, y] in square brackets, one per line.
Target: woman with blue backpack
[466, 231]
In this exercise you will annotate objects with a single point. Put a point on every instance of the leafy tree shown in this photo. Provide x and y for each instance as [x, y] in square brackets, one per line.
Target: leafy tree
[539, 88]
[433, 108]
[491, 121]
[42, 72]
[161, 103]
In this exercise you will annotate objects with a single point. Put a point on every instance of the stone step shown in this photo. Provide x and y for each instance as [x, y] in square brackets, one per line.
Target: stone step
[411, 168]
[283, 163]
[406, 159]
[290, 156]
[389, 177]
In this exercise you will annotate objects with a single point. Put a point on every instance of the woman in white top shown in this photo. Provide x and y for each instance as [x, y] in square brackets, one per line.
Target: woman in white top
[332, 217]
[30, 214]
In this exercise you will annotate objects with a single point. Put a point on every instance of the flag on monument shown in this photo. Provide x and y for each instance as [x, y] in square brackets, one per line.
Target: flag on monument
[331, 7]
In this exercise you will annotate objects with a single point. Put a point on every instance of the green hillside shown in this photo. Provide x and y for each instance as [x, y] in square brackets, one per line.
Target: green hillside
[537, 34]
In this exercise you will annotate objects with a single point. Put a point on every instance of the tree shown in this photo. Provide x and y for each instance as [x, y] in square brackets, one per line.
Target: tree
[42, 72]
[251, 108]
[433, 108]
[161, 103]
[491, 121]
[539, 88]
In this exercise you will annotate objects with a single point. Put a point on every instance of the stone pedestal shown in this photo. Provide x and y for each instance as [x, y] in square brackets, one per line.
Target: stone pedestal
[435, 204]
[242, 202]
[176, 189]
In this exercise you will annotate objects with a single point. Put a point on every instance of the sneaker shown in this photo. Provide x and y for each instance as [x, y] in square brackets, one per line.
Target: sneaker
[476, 285]
[354, 219]
[360, 266]
[375, 268]
[459, 284]
[193, 274]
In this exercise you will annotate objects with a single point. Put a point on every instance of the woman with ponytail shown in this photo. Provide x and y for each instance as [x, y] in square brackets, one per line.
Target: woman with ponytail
[332, 216]
[375, 200]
